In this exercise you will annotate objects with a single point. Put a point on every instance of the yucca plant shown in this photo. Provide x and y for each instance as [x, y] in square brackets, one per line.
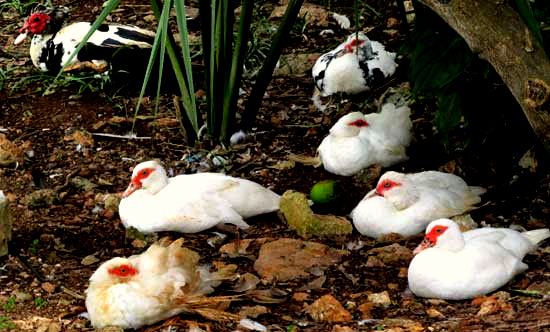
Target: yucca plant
[224, 63]
[223, 58]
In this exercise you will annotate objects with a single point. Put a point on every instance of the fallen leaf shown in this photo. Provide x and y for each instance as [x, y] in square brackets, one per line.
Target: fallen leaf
[288, 259]
[380, 299]
[89, 260]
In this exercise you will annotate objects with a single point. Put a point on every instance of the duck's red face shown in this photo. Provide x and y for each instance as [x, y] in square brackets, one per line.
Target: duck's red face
[431, 238]
[358, 123]
[353, 44]
[386, 185]
[36, 23]
[123, 270]
[137, 181]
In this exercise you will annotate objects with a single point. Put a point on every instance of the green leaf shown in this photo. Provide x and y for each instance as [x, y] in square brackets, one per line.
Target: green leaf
[264, 77]
[449, 113]
[526, 13]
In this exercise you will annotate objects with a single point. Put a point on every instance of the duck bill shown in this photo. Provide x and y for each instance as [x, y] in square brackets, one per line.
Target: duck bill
[131, 188]
[23, 32]
[20, 39]
[425, 244]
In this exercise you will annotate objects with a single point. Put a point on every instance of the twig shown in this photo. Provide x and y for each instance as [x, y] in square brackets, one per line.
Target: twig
[67, 180]
[72, 293]
[120, 136]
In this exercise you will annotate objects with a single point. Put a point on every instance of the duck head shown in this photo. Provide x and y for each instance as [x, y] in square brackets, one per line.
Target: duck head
[395, 188]
[149, 176]
[114, 271]
[443, 234]
[43, 20]
[349, 125]
[360, 45]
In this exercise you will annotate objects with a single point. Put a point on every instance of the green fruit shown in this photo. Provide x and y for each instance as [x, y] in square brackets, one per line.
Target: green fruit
[324, 192]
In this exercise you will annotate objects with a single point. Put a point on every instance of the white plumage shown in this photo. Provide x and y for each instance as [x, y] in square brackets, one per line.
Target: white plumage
[454, 266]
[406, 203]
[190, 203]
[146, 288]
[357, 141]
[355, 66]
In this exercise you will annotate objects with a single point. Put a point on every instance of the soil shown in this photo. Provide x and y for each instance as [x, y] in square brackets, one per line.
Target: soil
[49, 263]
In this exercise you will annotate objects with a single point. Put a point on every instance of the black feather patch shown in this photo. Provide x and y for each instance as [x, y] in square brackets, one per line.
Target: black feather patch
[103, 28]
[111, 42]
[51, 55]
[134, 35]
[319, 79]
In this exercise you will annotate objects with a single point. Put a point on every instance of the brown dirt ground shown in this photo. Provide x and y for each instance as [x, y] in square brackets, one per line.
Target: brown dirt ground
[50, 242]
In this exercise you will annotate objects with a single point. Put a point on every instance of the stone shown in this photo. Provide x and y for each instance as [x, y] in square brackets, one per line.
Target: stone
[328, 309]
[299, 217]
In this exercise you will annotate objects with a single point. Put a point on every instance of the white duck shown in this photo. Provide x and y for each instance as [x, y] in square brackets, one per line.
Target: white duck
[452, 265]
[355, 66]
[147, 288]
[190, 203]
[357, 141]
[406, 203]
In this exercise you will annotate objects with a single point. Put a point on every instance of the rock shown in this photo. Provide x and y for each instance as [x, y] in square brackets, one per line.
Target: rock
[288, 259]
[22, 297]
[5, 224]
[394, 254]
[10, 153]
[300, 296]
[242, 247]
[314, 15]
[433, 313]
[401, 324]
[132, 233]
[41, 198]
[82, 183]
[380, 299]
[338, 328]
[328, 309]
[498, 302]
[80, 137]
[110, 201]
[373, 261]
[253, 312]
[48, 287]
[299, 217]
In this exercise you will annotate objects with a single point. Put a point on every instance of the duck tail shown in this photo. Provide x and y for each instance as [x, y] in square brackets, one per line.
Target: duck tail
[538, 235]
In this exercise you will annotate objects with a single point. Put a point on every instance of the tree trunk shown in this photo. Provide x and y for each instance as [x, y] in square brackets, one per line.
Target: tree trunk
[5, 225]
[497, 33]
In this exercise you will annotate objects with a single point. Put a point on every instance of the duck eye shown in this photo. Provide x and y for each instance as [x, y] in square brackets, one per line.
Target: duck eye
[36, 19]
[144, 172]
[387, 185]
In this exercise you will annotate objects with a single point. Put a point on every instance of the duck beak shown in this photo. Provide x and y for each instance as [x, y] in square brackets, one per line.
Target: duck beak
[23, 34]
[425, 244]
[131, 188]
